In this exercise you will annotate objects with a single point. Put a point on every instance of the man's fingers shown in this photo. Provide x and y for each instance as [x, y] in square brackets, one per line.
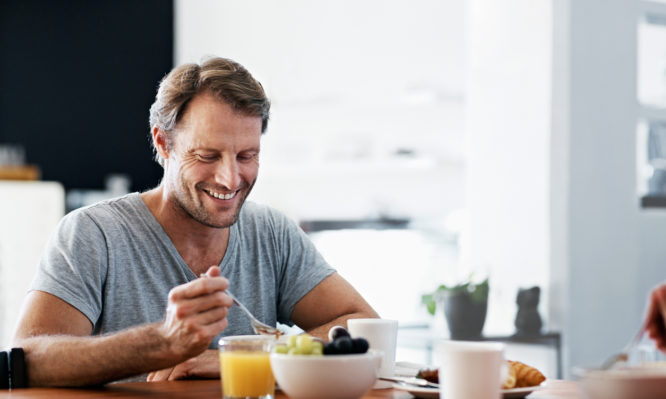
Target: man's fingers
[213, 271]
[196, 313]
[655, 317]
[206, 322]
[198, 287]
[651, 311]
[177, 374]
[187, 307]
[160, 375]
[660, 295]
[212, 316]
[217, 327]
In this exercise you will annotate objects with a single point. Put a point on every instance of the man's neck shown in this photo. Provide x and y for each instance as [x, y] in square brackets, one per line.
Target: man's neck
[200, 246]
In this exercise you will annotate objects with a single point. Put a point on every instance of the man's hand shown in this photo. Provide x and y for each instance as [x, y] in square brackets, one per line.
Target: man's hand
[196, 313]
[655, 318]
[206, 365]
[60, 351]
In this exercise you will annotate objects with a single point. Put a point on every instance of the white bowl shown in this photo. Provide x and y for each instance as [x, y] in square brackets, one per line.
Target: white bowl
[635, 383]
[326, 377]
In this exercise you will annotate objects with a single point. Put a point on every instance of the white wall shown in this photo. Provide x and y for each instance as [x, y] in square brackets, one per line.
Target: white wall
[351, 83]
[559, 174]
[29, 213]
[604, 223]
[616, 252]
[507, 151]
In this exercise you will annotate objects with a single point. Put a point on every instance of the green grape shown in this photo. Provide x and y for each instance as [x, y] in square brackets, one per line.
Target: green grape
[317, 350]
[317, 345]
[294, 351]
[304, 343]
[291, 341]
[281, 349]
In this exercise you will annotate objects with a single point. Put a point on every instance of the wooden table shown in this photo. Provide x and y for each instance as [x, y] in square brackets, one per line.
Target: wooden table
[556, 389]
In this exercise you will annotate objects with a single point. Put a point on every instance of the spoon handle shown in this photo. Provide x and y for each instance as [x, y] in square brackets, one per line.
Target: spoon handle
[637, 338]
[240, 305]
[411, 381]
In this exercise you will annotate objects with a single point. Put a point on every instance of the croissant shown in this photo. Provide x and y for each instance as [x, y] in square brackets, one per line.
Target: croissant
[519, 375]
[510, 381]
[522, 375]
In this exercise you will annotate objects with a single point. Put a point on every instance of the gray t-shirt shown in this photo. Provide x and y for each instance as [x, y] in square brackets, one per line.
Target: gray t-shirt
[114, 263]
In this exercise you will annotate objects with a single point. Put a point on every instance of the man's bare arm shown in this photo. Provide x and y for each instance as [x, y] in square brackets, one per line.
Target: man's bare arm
[60, 351]
[332, 302]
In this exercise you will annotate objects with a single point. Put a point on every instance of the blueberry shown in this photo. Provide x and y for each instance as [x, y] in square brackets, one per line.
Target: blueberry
[337, 332]
[343, 345]
[360, 345]
[330, 349]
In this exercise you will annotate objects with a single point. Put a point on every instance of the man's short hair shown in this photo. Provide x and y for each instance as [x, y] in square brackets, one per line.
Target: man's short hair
[225, 79]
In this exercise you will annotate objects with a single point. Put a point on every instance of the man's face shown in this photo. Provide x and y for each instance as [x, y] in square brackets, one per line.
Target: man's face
[214, 161]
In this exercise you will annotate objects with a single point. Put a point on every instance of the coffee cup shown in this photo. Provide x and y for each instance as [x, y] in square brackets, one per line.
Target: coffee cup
[382, 335]
[470, 370]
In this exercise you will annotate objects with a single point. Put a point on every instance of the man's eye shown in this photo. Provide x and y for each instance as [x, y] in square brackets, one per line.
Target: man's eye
[207, 158]
[247, 157]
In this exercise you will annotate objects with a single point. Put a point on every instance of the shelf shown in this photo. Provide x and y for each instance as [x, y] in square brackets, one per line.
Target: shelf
[654, 9]
[311, 226]
[653, 201]
[27, 172]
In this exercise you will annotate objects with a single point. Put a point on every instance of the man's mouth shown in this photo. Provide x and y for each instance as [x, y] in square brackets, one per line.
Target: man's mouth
[221, 195]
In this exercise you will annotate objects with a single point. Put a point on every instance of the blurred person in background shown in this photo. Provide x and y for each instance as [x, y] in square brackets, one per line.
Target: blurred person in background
[655, 318]
[117, 292]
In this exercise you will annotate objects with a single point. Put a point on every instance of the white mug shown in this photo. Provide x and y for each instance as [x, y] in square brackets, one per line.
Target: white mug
[382, 335]
[470, 370]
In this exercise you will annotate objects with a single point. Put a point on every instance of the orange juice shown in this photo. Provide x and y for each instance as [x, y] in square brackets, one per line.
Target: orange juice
[246, 370]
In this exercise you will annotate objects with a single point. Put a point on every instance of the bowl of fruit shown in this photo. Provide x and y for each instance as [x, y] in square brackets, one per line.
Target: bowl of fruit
[343, 368]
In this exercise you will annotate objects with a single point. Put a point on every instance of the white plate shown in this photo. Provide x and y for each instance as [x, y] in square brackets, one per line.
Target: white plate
[433, 393]
[519, 392]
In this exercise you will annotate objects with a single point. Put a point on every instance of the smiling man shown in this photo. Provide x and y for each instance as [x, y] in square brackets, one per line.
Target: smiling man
[117, 293]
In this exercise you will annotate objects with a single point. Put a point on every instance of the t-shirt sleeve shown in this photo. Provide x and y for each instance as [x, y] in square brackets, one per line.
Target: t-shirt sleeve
[303, 268]
[74, 264]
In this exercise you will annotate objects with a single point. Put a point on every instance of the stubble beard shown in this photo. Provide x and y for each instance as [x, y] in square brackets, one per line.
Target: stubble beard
[197, 211]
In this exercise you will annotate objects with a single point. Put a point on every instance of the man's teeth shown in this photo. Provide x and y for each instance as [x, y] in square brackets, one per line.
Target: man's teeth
[222, 196]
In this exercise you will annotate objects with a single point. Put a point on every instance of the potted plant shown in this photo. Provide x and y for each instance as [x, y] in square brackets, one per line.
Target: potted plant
[465, 305]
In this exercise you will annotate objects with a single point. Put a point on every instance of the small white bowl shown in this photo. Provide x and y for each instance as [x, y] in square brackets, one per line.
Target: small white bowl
[635, 383]
[326, 377]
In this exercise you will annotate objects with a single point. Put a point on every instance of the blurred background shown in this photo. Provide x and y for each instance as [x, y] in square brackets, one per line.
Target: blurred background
[418, 142]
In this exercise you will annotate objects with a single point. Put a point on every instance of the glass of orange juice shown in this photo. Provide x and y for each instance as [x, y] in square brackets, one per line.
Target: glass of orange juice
[245, 367]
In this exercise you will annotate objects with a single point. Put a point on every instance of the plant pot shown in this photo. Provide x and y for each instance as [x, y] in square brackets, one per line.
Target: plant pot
[464, 315]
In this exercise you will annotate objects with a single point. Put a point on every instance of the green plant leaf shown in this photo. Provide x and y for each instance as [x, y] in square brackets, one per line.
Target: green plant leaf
[430, 302]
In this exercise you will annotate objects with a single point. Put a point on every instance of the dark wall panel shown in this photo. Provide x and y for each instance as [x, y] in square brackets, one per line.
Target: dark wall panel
[76, 81]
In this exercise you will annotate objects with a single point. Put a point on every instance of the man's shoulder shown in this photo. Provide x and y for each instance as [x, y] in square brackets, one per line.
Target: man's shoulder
[107, 211]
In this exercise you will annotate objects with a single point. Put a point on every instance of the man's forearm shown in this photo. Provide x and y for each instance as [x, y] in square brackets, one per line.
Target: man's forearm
[60, 360]
[322, 331]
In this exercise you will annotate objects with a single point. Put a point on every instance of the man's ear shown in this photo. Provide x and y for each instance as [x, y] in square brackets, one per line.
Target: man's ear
[160, 142]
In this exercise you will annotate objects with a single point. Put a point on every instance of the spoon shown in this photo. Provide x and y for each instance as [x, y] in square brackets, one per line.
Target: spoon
[257, 326]
[411, 381]
[624, 355]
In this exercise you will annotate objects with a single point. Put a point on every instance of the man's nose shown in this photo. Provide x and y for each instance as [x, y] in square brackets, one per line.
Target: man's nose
[227, 173]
